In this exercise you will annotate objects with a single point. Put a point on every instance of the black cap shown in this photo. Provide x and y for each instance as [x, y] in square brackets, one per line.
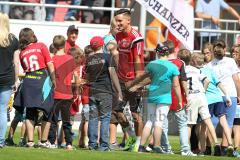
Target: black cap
[72, 28]
[162, 50]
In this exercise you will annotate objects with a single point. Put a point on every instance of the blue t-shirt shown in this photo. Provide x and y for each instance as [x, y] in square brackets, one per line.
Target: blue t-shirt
[212, 8]
[213, 93]
[162, 73]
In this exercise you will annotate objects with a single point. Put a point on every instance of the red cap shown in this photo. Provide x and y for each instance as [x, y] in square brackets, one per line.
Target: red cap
[96, 42]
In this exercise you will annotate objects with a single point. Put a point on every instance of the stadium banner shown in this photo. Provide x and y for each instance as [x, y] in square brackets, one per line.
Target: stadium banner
[176, 15]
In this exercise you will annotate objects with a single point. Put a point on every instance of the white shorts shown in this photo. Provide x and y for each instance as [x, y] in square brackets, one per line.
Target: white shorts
[198, 105]
[157, 112]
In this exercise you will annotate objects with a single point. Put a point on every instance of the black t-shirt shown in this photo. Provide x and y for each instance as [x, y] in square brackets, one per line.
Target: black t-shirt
[98, 74]
[7, 74]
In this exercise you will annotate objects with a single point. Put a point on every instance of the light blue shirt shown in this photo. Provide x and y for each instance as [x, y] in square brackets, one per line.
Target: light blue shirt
[213, 8]
[162, 73]
[213, 93]
[107, 38]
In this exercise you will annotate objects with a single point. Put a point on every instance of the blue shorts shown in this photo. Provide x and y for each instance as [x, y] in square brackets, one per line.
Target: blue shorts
[230, 113]
[217, 109]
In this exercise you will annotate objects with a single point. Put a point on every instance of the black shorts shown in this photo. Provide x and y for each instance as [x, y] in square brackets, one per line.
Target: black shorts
[217, 109]
[36, 115]
[132, 98]
[114, 118]
[236, 121]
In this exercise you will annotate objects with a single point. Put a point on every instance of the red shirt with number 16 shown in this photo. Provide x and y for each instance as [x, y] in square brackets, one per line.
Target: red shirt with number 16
[35, 57]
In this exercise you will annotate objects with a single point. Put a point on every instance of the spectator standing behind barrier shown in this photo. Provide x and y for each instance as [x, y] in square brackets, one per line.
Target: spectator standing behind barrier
[72, 13]
[39, 81]
[8, 71]
[4, 8]
[93, 16]
[72, 35]
[210, 10]
[50, 11]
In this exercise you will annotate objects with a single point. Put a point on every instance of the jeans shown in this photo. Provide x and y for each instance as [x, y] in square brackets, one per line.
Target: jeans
[72, 12]
[100, 106]
[5, 93]
[5, 7]
[50, 11]
[181, 119]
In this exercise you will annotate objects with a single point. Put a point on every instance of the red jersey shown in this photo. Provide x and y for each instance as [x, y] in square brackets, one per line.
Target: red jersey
[182, 77]
[34, 57]
[68, 46]
[64, 66]
[130, 46]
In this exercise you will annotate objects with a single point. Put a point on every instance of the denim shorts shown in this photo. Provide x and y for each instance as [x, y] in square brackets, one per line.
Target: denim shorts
[231, 111]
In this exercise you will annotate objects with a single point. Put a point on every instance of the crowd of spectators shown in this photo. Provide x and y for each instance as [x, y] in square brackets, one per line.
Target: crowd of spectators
[72, 14]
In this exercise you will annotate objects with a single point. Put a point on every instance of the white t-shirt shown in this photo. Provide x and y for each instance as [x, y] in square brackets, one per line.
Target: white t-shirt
[225, 69]
[195, 79]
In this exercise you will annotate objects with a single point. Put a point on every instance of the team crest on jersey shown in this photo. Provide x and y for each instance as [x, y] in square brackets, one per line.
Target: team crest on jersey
[124, 44]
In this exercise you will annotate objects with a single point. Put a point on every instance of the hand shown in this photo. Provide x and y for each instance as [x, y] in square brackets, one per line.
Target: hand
[85, 108]
[215, 20]
[228, 101]
[15, 86]
[128, 84]
[188, 103]
[179, 106]
[133, 89]
[120, 97]
[54, 85]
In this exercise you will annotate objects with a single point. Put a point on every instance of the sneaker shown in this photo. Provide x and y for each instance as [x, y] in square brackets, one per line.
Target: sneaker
[103, 149]
[53, 146]
[142, 149]
[188, 153]
[201, 154]
[135, 147]
[236, 154]
[71, 18]
[45, 145]
[114, 146]
[157, 149]
[63, 146]
[1, 145]
[9, 142]
[217, 150]
[69, 147]
[168, 152]
[121, 145]
[148, 149]
[30, 144]
[208, 151]
[23, 142]
[130, 141]
[230, 151]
